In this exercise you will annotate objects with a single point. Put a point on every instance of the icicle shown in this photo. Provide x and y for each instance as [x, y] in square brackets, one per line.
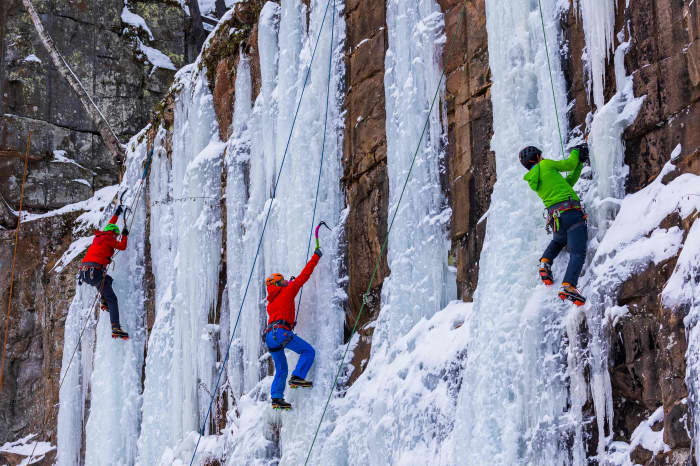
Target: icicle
[599, 30]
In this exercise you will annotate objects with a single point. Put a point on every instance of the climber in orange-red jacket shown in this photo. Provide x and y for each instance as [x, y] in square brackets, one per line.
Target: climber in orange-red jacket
[279, 332]
[94, 267]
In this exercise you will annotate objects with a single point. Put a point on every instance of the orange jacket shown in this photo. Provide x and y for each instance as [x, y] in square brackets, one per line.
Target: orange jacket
[280, 299]
[103, 246]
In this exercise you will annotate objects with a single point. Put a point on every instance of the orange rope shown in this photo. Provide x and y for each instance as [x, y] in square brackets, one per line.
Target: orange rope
[14, 259]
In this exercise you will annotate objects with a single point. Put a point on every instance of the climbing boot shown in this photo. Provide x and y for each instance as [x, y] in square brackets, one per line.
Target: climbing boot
[119, 333]
[572, 294]
[297, 382]
[546, 272]
[279, 403]
[103, 305]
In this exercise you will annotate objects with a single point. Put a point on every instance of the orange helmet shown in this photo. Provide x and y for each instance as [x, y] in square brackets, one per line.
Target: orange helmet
[274, 279]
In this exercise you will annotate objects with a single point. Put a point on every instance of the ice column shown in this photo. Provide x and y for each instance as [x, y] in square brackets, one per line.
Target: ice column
[73, 392]
[598, 27]
[420, 283]
[513, 402]
[186, 254]
[258, 143]
[115, 407]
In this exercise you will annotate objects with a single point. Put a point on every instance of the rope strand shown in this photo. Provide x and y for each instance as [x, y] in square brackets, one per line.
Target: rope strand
[323, 150]
[386, 241]
[551, 79]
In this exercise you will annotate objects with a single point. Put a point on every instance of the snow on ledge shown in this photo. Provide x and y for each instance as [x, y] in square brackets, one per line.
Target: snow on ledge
[136, 21]
[25, 447]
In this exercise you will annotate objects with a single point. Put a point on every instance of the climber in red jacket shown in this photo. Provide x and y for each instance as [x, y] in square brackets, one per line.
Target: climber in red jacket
[93, 269]
[279, 332]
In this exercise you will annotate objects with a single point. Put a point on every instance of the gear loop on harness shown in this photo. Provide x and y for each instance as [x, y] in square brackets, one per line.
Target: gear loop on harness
[283, 324]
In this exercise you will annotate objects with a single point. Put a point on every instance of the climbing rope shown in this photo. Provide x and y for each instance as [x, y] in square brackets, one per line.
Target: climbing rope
[320, 168]
[262, 234]
[386, 238]
[14, 260]
[551, 79]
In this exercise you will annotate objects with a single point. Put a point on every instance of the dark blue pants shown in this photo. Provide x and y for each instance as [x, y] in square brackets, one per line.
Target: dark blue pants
[573, 234]
[306, 353]
[94, 277]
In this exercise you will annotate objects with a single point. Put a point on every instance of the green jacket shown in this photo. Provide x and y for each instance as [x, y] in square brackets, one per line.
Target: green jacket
[545, 179]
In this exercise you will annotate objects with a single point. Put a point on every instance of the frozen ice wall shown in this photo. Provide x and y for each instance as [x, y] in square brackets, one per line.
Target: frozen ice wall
[115, 402]
[260, 133]
[420, 283]
[513, 404]
[186, 255]
[75, 373]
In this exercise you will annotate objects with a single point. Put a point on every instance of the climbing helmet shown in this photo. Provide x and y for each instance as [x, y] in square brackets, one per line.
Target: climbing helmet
[274, 279]
[112, 227]
[529, 155]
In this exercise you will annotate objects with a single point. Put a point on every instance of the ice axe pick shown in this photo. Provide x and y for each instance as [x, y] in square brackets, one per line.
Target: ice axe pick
[317, 228]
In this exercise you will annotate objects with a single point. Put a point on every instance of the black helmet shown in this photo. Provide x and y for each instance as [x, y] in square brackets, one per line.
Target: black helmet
[529, 155]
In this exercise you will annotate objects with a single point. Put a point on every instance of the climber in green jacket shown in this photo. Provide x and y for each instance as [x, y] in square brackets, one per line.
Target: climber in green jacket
[565, 216]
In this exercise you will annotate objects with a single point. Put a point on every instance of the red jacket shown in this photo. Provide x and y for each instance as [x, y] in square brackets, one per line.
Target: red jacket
[103, 246]
[280, 299]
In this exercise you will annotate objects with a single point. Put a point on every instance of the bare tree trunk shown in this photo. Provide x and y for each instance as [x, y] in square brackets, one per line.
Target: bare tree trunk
[110, 139]
[198, 31]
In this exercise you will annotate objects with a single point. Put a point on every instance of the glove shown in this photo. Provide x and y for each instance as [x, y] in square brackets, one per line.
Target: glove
[318, 252]
[125, 231]
[583, 155]
[119, 210]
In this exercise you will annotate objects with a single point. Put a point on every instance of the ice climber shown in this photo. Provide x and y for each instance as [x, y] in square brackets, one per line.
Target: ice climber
[279, 334]
[565, 216]
[93, 269]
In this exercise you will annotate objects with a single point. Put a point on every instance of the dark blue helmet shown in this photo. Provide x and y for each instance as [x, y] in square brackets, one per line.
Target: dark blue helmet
[529, 155]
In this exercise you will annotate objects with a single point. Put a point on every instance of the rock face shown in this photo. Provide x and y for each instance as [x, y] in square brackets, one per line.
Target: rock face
[68, 162]
[365, 176]
[471, 163]
[648, 347]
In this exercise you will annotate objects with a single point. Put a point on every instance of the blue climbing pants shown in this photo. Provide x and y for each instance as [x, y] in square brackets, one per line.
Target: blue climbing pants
[306, 353]
[573, 234]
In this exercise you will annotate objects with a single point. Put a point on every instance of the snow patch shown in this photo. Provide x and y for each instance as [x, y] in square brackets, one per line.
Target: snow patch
[31, 59]
[136, 21]
[26, 447]
[157, 58]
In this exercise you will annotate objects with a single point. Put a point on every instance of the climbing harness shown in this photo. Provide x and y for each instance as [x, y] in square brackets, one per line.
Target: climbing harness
[553, 213]
[267, 217]
[283, 324]
[14, 260]
[386, 240]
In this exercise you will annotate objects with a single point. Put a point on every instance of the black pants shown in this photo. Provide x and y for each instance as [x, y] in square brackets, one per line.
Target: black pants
[573, 234]
[94, 277]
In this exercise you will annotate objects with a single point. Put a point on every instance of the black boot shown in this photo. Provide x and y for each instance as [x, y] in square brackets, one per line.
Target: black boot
[279, 403]
[119, 333]
[572, 294]
[546, 272]
[296, 382]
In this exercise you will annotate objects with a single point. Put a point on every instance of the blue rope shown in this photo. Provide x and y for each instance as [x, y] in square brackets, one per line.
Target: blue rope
[323, 150]
[262, 235]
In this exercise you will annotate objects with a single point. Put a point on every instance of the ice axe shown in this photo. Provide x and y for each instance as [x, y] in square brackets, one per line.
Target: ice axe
[317, 228]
